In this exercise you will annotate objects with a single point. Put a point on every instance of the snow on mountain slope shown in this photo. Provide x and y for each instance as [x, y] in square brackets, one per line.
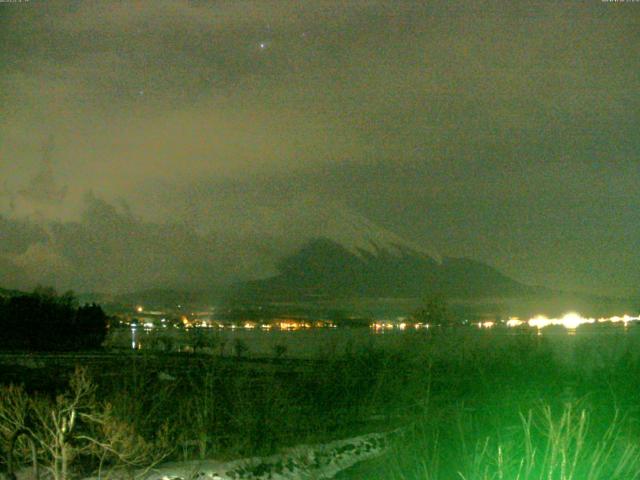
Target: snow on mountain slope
[110, 249]
[358, 234]
[283, 229]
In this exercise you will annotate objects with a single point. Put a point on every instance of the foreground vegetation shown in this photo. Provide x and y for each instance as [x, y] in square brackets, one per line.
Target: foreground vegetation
[472, 405]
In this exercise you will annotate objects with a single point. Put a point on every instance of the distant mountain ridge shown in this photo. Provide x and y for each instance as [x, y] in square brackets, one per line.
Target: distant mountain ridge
[323, 268]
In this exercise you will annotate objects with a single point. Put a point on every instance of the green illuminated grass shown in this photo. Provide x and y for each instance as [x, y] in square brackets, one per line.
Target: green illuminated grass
[543, 445]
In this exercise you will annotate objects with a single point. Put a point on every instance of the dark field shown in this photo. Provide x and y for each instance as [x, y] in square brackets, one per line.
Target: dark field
[470, 404]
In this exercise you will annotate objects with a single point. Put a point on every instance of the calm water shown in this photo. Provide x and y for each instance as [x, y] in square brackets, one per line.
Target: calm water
[295, 343]
[594, 346]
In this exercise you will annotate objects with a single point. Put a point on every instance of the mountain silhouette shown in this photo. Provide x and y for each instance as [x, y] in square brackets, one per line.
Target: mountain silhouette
[325, 269]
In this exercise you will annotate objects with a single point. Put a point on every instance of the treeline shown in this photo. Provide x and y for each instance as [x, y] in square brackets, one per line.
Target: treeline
[43, 320]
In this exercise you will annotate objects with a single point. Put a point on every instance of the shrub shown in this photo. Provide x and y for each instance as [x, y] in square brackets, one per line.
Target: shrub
[72, 426]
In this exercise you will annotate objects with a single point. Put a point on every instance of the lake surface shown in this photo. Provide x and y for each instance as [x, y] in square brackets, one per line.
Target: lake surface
[302, 343]
[587, 345]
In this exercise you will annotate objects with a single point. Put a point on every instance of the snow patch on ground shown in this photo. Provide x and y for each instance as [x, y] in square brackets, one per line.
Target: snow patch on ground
[322, 461]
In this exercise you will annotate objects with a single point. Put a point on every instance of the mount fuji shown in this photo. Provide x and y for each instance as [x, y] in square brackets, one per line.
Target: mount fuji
[324, 268]
[342, 254]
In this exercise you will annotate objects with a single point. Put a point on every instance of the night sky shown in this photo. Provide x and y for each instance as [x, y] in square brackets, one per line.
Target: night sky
[154, 143]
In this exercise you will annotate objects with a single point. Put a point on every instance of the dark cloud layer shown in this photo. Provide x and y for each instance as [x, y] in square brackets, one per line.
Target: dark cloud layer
[504, 132]
[111, 250]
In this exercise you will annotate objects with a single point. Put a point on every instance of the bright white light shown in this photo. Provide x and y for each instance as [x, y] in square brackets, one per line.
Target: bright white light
[570, 321]
[514, 322]
[486, 324]
[573, 320]
[539, 322]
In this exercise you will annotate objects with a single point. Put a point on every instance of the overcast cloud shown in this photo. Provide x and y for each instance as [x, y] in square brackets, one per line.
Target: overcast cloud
[503, 132]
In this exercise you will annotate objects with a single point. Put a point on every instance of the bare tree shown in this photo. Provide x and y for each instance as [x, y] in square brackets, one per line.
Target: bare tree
[74, 423]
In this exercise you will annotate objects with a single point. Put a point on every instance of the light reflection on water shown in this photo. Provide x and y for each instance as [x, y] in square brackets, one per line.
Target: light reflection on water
[134, 338]
[260, 342]
[309, 343]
